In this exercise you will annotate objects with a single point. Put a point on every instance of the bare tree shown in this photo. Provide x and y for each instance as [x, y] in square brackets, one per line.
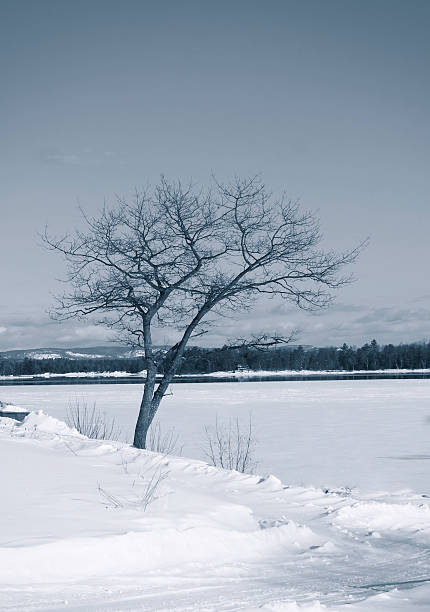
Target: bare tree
[177, 257]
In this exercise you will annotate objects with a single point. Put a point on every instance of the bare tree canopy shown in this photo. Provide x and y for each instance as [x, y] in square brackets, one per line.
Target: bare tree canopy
[179, 257]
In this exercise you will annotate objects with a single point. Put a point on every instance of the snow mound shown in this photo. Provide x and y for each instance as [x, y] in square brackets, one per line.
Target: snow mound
[271, 483]
[189, 520]
[148, 551]
[37, 422]
[384, 517]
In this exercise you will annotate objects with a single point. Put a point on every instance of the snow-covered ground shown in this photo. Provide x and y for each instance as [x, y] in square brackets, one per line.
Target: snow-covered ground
[370, 434]
[78, 531]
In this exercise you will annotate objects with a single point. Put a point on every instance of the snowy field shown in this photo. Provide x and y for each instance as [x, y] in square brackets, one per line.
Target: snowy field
[343, 525]
[370, 434]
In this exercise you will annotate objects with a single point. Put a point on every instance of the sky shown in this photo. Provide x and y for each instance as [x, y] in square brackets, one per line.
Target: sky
[327, 100]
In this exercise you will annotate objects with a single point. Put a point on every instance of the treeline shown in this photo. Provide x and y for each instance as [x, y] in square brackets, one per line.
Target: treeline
[27, 366]
[371, 356]
[197, 360]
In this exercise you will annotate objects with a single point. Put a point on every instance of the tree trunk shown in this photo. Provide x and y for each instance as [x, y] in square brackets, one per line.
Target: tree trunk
[144, 421]
[148, 409]
[146, 413]
[151, 399]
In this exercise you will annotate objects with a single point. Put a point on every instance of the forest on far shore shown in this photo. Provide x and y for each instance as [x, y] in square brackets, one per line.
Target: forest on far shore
[198, 360]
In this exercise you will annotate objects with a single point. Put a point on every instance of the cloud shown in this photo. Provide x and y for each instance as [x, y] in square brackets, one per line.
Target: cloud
[86, 157]
[351, 323]
[55, 156]
[32, 331]
[387, 325]
[395, 315]
[85, 332]
[421, 298]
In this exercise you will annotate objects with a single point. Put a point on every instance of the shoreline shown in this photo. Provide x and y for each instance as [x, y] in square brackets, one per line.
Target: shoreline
[238, 376]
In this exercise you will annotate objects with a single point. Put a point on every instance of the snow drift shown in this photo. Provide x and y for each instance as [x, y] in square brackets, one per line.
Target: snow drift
[77, 526]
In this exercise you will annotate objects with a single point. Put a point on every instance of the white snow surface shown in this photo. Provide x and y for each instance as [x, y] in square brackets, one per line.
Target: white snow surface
[76, 534]
[237, 374]
[36, 355]
[84, 355]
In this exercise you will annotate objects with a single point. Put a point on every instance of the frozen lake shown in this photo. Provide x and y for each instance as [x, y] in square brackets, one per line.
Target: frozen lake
[370, 434]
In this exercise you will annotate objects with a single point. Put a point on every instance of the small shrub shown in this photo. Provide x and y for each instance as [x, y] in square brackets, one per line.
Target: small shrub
[160, 442]
[90, 422]
[230, 447]
[145, 488]
[150, 486]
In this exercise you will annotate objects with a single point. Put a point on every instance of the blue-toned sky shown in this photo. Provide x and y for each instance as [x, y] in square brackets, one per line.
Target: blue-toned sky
[327, 99]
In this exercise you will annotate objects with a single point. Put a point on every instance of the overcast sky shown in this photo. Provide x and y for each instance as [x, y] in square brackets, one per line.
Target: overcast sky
[327, 99]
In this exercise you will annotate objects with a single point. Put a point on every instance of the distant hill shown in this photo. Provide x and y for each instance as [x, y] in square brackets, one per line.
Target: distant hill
[99, 352]
[94, 352]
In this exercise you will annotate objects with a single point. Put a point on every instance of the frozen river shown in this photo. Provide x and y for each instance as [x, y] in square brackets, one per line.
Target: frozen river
[370, 434]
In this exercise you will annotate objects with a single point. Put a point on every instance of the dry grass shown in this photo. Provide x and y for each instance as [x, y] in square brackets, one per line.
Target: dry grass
[231, 447]
[165, 443]
[90, 421]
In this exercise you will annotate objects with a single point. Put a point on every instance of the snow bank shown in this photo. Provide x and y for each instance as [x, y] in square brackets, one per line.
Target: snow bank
[383, 516]
[173, 536]
[148, 551]
[39, 422]
[77, 525]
